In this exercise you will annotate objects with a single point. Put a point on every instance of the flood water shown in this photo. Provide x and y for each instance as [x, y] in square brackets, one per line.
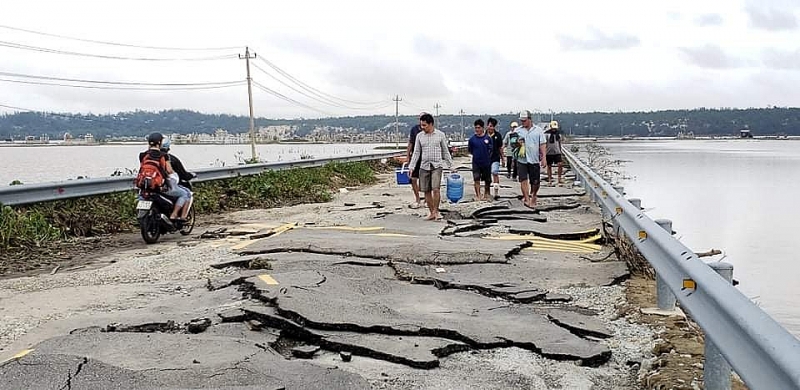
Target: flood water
[33, 164]
[739, 196]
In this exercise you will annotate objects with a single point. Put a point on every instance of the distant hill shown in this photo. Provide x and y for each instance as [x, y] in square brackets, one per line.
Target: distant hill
[766, 121]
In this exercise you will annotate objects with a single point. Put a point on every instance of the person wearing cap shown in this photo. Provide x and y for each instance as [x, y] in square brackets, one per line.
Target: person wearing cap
[553, 152]
[531, 158]
[510, 150]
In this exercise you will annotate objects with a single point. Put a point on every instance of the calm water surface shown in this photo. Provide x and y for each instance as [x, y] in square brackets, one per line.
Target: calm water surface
[739, 196]
[53, 163]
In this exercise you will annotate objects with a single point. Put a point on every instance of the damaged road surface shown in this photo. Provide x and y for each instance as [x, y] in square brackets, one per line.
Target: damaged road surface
[343, 297]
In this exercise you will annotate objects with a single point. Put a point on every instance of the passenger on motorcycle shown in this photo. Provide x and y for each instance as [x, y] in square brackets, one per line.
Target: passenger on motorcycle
[180, 177]
[181, 210]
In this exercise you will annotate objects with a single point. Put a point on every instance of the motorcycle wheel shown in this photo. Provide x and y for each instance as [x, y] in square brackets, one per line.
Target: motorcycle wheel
[151, 230]
[188, 226]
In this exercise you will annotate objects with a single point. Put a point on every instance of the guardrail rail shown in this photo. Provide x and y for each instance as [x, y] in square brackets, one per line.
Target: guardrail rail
[44, 192]
[763, 353]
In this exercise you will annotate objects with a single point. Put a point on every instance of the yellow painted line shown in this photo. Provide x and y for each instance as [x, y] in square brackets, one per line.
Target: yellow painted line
[540, 241]
[589, 247]
[275, 231]
[545, 249]
[268, 279]
[19, 355]
[348, 228]
[390, 235]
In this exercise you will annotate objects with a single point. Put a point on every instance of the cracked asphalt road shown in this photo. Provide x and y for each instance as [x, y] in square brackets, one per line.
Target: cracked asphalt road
[417, 304]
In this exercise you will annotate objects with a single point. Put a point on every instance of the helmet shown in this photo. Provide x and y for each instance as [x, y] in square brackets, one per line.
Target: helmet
[155, 139]
[514, 125]
[554, 124]
[165, 144]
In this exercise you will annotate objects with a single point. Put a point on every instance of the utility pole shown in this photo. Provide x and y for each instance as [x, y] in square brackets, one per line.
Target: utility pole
[397, 101]
[462, 123]
[247, 59]
[436, 107]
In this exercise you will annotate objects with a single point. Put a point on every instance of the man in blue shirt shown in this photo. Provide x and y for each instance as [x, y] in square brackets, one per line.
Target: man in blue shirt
[480, 147]
[531, 158]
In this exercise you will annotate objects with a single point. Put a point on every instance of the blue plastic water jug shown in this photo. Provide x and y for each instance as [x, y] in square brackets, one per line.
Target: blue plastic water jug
[455, 188]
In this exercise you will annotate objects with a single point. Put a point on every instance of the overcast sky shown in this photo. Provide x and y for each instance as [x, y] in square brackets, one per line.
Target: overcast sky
[482, 56]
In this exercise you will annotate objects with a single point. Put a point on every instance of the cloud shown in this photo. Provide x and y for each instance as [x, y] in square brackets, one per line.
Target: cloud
[599, 41]
[428, 47]
[782, 60]
[710, 56]
[771, 19]
[708, 20]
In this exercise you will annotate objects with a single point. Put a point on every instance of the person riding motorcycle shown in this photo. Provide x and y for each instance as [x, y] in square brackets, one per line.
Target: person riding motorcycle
[182, 195]
[181, 178]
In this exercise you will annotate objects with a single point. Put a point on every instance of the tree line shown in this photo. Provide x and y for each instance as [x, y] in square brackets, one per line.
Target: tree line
[702, 121]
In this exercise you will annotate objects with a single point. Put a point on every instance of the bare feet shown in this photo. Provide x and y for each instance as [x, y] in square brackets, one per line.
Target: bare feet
[430, 217]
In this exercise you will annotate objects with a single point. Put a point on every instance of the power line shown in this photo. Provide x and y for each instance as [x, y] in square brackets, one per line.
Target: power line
[318, 99]
[313, 90]
[288, 99]
[14, 45]
[165, 88]
[28, 76]
[117, 43]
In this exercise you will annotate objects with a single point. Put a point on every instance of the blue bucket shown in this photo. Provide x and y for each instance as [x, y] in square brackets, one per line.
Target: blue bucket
[402, 175]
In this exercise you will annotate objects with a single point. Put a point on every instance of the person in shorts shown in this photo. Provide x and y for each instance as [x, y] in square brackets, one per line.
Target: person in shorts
[480, 147]
[498, 159]
[531, 158]
[554, 152]
[432, 152]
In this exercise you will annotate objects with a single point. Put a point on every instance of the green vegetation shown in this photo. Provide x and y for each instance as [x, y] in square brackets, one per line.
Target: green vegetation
[39, 224]
[702, 121]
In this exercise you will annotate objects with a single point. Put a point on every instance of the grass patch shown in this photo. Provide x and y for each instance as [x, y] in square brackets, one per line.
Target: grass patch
[38, 224]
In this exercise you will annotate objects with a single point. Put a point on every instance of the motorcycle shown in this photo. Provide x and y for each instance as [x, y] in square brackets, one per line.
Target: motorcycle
[153, 211]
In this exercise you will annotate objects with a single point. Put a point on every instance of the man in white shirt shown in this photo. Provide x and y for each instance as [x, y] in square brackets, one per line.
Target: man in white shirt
[432, 150]
[531, 158]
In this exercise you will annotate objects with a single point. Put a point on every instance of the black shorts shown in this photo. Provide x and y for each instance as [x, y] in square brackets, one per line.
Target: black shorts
[530, 172]
[482, 174]
[415, 173]
[553, 159]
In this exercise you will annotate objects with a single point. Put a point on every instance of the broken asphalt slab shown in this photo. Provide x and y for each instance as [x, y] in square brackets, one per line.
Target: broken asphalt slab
[540, 272]
[419, 249]
[552, 229]
[150, 361]
[579, 324]
[376, 305]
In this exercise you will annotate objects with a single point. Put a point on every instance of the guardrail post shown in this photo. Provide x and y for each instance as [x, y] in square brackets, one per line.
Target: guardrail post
[717, 370]
[664, 296]
[636, 202]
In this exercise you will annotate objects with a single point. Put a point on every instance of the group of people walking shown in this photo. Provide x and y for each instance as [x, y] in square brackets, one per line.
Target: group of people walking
[524, 150]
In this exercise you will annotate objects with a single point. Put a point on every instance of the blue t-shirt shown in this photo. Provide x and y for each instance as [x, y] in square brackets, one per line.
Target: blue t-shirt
[481, 150]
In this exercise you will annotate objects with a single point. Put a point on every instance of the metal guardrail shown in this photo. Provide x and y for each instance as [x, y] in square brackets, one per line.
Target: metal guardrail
[43, 192]
[763, 353]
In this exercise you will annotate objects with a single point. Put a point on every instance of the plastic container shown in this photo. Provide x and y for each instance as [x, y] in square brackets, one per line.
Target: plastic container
[455, 187]
[402, 175]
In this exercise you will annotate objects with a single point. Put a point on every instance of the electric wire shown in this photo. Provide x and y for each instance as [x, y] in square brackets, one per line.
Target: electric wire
[130, 88]
[313, 90]
[53, 78]
[117, 43]
[287, 99]
[15, 45]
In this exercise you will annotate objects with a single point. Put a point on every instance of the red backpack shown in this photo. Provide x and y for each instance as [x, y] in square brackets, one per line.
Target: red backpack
[152, 172]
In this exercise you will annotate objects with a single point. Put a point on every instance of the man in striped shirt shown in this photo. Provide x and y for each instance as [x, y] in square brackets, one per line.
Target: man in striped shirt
[433, 154]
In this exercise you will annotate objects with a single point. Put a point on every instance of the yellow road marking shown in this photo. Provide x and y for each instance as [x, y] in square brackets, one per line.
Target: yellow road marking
[275, 231]
[348, 228]
[546, 241]
[268, 279]
[19, 355]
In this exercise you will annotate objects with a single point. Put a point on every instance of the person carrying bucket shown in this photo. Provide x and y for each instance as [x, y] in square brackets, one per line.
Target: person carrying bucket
[432, 152]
